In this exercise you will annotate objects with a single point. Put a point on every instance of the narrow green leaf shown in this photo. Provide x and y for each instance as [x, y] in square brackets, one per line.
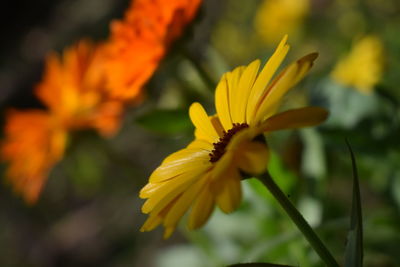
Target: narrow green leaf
[166, 121]
[354, 247]
[255, 264]
[258, 264]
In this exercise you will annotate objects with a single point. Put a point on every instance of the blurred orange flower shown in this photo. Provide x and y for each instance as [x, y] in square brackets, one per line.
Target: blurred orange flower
[88, 86]
[73, 88]
[34, 143]
[139, 42]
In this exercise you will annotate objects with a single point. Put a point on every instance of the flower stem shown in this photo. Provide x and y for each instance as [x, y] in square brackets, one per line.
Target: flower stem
[299, 220]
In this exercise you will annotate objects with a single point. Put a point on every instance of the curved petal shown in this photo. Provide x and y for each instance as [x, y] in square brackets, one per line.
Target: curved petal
[253, 157]
[229, 195]
[168, 231]
[183, 203]
[221, 166]
[265, 76]
[200, 145]
[148, 190]
[202, 123]
[185, 160]
[295, 118]
[152, 222]
[271, 99]
[281, 85]
[168, 191]
[164, 194]
[201, 209]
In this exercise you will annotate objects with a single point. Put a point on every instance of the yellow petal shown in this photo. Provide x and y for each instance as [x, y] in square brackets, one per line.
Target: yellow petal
[271, 99]
[233, 79]
[202, 123]
[184, 154]
[185, 160]
[201, 145]
[168, 191]
[215, 121]
[183, 203]
[305, 64]
[222, 103]
[151, 223]
[230, 194]
[241, 94]
[252, 158]
[168, 232]
[281, 85]
[148, 190]
[264, 78]
[295, 118]
[221, 166]
[201, 209]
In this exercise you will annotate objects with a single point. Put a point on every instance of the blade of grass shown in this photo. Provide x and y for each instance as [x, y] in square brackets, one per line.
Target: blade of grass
[354, 247]
[255, 264]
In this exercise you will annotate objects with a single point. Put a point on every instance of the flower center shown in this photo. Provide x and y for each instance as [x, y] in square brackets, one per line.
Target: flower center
[220, 146]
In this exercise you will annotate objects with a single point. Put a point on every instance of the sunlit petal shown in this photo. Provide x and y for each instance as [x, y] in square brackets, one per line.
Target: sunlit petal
[264, 78]
[186, 160]
[183, 203]
[271, 99]
[168, 191]
[222, 103]
[241, 94]
[233, 79]
[202, 122]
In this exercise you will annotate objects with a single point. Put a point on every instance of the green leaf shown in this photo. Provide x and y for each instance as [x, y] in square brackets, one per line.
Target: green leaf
[255, 264]
[354, 247]
[166, 121]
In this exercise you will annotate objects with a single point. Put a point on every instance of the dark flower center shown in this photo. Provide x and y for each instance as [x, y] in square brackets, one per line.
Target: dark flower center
[220, 146]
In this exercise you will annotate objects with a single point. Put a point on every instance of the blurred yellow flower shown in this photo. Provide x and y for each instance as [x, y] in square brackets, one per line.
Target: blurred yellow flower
[228, 144]
[362, 67]
[277, 17]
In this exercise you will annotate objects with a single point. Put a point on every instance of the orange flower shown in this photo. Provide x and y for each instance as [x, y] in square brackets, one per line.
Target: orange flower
[34, 143]
[73, 89]
[87, 86]
[139, 42]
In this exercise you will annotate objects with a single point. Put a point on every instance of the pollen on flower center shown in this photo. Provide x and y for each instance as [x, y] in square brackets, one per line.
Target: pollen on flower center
[219, 147]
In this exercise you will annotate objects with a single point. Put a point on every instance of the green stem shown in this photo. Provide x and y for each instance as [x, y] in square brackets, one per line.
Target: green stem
[299, 220]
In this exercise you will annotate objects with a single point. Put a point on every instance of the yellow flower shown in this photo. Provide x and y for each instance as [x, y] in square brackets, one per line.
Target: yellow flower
[276, 17]
[362, 67]
[227, 145]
